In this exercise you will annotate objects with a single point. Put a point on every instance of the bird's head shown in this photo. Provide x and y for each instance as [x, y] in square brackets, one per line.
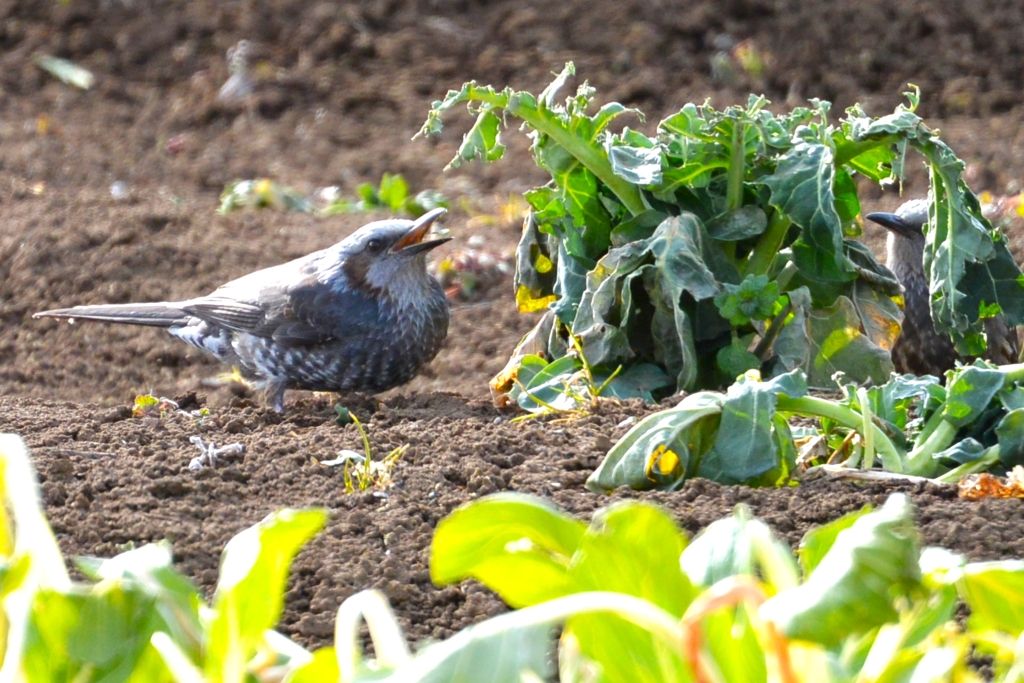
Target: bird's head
[908, 221]
[905, 245]
[388, 257]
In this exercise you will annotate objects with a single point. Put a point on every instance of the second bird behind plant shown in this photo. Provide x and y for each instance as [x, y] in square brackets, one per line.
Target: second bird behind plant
[920, 350]
[362, 315]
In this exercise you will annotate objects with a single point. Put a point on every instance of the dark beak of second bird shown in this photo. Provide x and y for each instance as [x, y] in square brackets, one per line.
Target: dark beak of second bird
[893, 222]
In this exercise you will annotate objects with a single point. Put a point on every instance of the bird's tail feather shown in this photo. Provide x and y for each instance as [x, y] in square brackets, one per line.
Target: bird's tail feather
[151, 315]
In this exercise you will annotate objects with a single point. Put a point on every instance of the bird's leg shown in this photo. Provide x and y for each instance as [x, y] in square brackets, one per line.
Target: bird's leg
[275, 394]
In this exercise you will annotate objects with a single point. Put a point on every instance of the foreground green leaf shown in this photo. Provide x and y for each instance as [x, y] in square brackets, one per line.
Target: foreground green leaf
[628, 548]
[852, 589]
[250, 591]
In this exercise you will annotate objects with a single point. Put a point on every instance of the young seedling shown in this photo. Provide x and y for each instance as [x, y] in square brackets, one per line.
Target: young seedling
[362, 472]
[391, 194]
[261, 194]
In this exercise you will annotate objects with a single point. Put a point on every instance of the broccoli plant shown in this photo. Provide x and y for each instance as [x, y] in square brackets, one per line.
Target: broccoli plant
[726, 241]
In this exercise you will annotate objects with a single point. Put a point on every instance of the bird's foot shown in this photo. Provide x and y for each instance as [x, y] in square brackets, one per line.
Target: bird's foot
[275, 395]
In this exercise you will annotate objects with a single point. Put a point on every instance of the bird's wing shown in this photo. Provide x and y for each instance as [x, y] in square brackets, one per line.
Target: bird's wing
[302, 313]
[242, 316]
[253, 302]
[316, 313]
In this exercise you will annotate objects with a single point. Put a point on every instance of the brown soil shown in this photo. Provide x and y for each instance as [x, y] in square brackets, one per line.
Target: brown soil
[341, 89]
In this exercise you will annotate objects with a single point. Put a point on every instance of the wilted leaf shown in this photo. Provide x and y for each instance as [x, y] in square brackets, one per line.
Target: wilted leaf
[985, 485]
[838, 345]
[879, 315]
[688, 430]
[535, 287]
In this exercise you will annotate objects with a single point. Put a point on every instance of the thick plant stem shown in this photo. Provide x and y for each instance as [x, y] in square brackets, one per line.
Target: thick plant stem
[988, 458]
[929, 428]
[892, 459]
[1014, 373]
[734, 187]
[767, 247]
[774, 328]
[866, 430]
[734, 190]
[920, 460]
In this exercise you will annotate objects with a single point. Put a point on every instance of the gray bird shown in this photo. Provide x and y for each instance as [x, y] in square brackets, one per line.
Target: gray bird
[920, 350]
[363, 315]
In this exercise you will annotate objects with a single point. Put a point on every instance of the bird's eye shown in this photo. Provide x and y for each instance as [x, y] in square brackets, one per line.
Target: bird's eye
[375, 245]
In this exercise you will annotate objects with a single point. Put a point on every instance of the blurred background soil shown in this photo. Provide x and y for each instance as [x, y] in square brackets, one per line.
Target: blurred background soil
[339, 90]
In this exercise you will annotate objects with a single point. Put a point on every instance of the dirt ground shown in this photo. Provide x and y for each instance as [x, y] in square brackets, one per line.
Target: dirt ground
[340, 88]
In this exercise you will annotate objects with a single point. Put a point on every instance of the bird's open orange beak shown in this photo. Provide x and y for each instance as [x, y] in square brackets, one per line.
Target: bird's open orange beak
[412, 241]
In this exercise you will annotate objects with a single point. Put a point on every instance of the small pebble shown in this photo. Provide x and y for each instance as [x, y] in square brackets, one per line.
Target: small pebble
[119, 190]
[176, 144]
[328, 195]
[625, 423]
